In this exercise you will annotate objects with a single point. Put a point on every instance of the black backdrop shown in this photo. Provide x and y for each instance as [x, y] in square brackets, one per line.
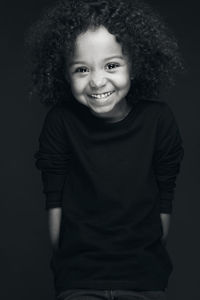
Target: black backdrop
[24, 245]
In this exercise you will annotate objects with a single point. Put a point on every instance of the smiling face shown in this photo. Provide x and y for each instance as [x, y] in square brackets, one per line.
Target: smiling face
[99, 74]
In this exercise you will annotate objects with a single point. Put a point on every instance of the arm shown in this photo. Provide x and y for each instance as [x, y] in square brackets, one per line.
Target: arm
[54, 220]
[53, 160]
[169, 153]
[165, 220]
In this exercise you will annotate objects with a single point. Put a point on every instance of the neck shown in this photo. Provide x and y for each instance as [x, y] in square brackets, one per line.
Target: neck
[121, 112]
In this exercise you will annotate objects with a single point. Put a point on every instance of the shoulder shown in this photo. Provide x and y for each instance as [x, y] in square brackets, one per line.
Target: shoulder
[164, 117]
[159, 109]
[58, 112]
[154, 104]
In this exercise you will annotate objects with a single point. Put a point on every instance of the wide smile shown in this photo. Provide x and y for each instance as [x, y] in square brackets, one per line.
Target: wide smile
[101, 98]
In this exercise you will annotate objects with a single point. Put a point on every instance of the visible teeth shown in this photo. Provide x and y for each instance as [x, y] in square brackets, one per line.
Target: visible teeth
[99, 96]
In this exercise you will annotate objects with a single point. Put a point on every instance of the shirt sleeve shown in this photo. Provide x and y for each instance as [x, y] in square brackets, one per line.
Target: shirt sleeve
[169, 153]
[53, 157]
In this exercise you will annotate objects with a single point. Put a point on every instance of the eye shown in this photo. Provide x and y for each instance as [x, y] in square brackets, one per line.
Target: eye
[81, 70]
[112, 66]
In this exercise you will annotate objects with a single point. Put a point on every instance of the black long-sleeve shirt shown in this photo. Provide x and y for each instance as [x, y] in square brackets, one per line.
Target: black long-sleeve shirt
[112, 180]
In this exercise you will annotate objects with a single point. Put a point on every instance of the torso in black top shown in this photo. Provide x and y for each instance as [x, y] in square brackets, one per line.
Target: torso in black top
[112, 197]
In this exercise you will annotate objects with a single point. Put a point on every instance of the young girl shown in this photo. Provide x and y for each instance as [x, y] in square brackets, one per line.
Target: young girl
[109, 152]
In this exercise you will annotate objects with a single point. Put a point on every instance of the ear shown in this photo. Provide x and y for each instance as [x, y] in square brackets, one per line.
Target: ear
[131, 71]
[66, 75]
[132, 75]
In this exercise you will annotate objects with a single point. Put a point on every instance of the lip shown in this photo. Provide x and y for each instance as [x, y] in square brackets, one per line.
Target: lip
[103, 101]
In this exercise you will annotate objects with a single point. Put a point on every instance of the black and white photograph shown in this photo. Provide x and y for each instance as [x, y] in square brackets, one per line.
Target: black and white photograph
[100, 150]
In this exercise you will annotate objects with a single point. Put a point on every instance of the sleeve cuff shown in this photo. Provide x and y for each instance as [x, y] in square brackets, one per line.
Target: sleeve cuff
[166, 209]
[166, 201]
[53, 200]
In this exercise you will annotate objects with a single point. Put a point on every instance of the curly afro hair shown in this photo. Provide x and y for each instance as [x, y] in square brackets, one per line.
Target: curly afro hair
[142, 33]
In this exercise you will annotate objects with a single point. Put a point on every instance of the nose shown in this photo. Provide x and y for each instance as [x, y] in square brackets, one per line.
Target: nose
[97, 80]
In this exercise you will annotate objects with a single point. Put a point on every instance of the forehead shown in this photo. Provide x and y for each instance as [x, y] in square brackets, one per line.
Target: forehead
[96, 44]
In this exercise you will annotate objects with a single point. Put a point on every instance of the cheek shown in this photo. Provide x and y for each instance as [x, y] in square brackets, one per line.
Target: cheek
[123, 80]
[78, 85]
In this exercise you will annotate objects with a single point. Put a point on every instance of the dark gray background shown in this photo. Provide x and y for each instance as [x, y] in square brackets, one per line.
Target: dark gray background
[24, 244]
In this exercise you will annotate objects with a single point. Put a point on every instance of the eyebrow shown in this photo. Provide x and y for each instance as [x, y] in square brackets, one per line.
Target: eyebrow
[82, 62]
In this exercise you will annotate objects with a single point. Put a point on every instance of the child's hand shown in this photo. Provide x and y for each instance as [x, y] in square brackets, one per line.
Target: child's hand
[165, 220]
[54, 221]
